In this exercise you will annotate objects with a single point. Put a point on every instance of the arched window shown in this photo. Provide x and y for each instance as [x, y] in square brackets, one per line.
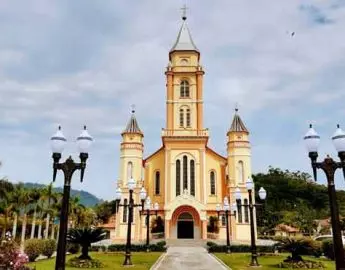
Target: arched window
[192, 177]
[188, 117]
[239, 213]
[246, 211]
[184, 89]
[130, 170]
[213, 183]
[240, 172]
[124, 219]
[185, 173]
[178, 177]
[181, 118]
[157, 183]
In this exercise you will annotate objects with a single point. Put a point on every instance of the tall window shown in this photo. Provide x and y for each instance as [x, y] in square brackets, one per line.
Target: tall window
[246, 211]
[185, 173]
[124, 219]
[157, 183]
[239, 213]
[240, 172]
[130, 170]
[181, 118]
[192, 177]
[213, 183]
[188, 118]
[184, 89]
[178, 177]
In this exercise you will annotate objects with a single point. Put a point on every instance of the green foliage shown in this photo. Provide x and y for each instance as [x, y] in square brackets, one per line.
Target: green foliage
[213, 247]
[73, 248]
[105, 210]
[157, 225]
[298, 246]
[86, 198]
[33, 248]
[212, 226]
[49, 246]
[294, 199]
[327, 249]
[82, 263]
[85, 237]
[159, 246]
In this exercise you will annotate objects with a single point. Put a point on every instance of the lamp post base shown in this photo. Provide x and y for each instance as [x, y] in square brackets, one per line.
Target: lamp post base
[254, 262]
[228, 250]
[128, 260]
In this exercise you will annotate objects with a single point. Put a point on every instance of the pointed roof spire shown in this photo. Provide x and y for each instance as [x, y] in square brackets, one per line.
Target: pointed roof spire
[184, 41]
[237, 124]
[132, 125]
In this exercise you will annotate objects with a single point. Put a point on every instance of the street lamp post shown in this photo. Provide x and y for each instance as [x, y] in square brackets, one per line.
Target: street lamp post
[68, 167]
[130, 206]
[228, 212]
[262, 195]
[329, 166]
[147, 209]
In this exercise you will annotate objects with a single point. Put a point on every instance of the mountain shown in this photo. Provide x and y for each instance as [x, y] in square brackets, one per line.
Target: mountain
[86, 198]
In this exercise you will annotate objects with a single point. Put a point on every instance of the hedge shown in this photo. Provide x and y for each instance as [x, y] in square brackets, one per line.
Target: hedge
[213, 247]
[159, 246]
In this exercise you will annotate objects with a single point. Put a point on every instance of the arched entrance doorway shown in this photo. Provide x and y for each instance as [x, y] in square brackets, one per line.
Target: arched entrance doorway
[185, 223]
[185, 226]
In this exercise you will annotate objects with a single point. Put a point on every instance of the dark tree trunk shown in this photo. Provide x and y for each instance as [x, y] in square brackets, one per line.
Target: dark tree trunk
[85, 253]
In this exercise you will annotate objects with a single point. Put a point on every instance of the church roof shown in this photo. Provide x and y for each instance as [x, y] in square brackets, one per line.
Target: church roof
[132, 125]
[237, 124]
[184, 41]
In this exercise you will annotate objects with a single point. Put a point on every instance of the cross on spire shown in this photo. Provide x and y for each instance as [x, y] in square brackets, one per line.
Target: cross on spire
[184, 12]
[133, 108]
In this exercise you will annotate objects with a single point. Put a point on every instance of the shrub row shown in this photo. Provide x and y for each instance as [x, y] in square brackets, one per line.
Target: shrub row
[36, 247]
[213, 247]
[159, 246]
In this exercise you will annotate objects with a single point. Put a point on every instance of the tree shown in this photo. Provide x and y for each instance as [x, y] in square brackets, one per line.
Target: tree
[75, 210]
[25, 201]
[296, 246]
[85, 237]
[35, 196]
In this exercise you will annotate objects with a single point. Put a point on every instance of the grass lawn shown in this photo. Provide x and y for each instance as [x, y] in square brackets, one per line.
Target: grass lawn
[141, 260]
[240, 261]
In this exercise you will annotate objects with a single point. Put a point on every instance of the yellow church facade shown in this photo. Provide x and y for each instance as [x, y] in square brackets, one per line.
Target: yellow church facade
[185, 176]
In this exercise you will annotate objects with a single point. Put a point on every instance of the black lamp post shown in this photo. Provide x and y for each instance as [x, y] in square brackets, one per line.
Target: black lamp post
[68, 167]
[329, 166]
[228, 212]
[147, 209]
[131, 185]
[262, 195]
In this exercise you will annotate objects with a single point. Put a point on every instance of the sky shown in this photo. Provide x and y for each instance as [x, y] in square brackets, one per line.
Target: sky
[85, 62]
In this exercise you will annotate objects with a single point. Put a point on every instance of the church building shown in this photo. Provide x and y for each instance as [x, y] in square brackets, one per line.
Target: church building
[185, 176]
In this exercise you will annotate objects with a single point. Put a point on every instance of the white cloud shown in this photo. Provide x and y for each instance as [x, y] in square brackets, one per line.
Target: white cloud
[77, 62]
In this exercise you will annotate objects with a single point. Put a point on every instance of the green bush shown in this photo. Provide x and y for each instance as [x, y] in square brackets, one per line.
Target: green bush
[73, 248]
[33, 248]
[327, 249]
[210, 243]
[49, 246]
[160, 246]
[81, 263]
[213, 247]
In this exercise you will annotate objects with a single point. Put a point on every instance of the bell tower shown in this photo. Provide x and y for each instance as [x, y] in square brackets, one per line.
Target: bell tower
[184, 84]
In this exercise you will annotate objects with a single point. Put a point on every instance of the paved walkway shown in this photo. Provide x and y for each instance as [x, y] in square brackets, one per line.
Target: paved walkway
[188, 258]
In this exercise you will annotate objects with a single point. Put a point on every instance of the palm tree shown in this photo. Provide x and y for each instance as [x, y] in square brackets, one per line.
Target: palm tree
[49, 197]
[5, 187]
[85, 237]
[75, 210]
[16, 202]
[6, 206]
[296, 246]
[35, 196]
[25, 201]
